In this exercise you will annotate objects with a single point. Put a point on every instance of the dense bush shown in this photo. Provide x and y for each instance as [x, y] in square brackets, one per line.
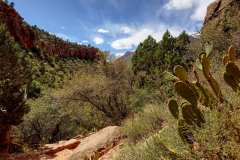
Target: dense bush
[50, 121]
[15, 77]
[143, 124]
[106, 89]
[152, 59]
[95, 97]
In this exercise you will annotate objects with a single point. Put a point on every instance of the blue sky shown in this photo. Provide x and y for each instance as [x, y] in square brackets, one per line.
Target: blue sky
[113, 25]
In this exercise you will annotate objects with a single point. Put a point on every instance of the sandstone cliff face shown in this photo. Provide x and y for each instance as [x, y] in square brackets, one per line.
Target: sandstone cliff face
[14, 22]
[222, 24]
[32, 38]
[216, 8]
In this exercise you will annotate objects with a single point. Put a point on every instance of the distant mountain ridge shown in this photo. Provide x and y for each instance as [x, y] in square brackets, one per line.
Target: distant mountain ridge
[126, 58]
[33, 38]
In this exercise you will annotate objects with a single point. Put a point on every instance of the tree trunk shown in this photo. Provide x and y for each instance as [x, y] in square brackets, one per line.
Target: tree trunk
[4, 138]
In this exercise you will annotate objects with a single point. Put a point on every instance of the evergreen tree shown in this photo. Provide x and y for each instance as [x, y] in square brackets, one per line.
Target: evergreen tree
[15, 77]
[12, 4]
[167, 46]
[143, 60]
[152, 58]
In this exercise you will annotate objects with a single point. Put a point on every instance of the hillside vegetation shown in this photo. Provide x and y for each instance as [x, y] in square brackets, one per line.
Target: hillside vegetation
[177, 99]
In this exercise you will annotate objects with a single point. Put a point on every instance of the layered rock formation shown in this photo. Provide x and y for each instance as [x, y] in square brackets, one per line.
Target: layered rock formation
[216, 8]
[222, 24]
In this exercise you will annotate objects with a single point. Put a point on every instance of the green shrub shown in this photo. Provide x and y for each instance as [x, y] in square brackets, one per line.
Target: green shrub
[145, 123]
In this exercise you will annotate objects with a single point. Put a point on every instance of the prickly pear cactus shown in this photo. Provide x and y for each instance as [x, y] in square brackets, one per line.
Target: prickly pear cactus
[181, 73]
[192, 115]
[216, 88]
[205, 97]
[173, 108]
[232, 69]
[229, 79]
[206, 65]
[184, 132]
[186, 91]
[232, 54]
[232, 74]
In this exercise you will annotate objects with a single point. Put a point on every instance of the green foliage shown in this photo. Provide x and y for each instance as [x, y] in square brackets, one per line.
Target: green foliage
[144, 124]
[50, 120]
[200, 132]
[96, 96]
[15, 77]
[35, 89]
[144, 57]
[152, 59]
[151, 143]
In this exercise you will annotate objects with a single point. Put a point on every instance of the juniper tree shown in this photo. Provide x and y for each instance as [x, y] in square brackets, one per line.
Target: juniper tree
[15, 77]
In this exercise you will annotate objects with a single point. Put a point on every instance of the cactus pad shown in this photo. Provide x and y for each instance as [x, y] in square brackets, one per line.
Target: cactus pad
[216, 88]
[181, 72]
[206, 65]
[229, 79]
[173, 108]
[184, 132]
[232, 54]
[187, 92]
[232, 69]
[192, 115]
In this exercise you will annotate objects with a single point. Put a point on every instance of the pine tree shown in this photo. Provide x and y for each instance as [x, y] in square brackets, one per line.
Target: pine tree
[144, 57]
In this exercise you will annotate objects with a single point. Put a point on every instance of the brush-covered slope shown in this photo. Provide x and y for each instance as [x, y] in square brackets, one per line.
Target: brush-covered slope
[37, 40]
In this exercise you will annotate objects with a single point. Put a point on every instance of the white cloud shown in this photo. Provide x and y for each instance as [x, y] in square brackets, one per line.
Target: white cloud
[126, 29]
[139, 35]
[98, 40]
[101, 30]
[179, 4]
[62, 27]
[201, 10]
[119, 54]
[199, 7]
[85, 41]
[116, 29]
[131, 41]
